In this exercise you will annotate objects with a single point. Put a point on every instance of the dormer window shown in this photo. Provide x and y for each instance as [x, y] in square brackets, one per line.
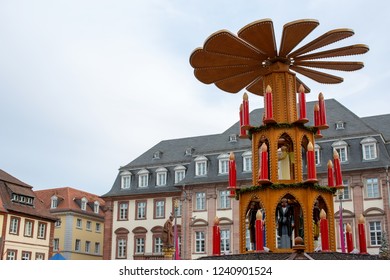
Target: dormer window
[54, 202]
[317, 154]
[247, 161]
[189, 151]
[84, 204]
[180, 173]
[157, 155]
[223, 164]
[341, 148]
[125, 179]
[143, 178]
[201, 166]
[96, 205]
[161, 176]
[369, 148]
[232, 138]
[340, 125]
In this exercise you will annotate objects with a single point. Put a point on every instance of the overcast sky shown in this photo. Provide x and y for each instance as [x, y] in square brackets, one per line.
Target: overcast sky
[88, 86]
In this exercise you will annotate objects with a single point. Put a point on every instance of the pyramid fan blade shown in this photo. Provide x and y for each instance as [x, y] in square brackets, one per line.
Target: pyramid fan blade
[317, 76]
[324, 40]
[260, 34]
[344, 51]
[237, 83]
[299, 82]
[333, 65]
[200, 58]
[294, 32]
[257, 87]
[213, 74]
[224, 42]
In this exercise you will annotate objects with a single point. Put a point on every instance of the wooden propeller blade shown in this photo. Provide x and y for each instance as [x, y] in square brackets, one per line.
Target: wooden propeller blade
[344, 51]
[320, 77]
[298, 82]
[210, 75]
[201, 58]
[257, 87]
[294, 32]
[333, 65]
[236, 83]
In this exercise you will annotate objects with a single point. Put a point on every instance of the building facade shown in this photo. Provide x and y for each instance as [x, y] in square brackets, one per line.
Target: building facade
[79, 230]
[26, 226]
[194, 171]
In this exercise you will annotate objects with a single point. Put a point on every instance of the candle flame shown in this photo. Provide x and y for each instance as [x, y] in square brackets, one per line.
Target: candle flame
[263, 147]
[240, 107]
[310, 146]
[321, 96]
[259, 215]
[349, 228]
[335, 154]
[301, 88]
[245, 96]
[268, 89]
[361, 219]
[330, 164]
[316, 107]
[231, 156]
[216, 221]
[322, 214]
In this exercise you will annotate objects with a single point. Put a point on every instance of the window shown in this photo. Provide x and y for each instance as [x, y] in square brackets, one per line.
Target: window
[143, 178]
[200, 198]
[159, 209]
[340, 125]
[28, 228]
[54, 202]
[247, 161]
[57, 223]
[97, 248]
[26, 256]
[42, 230]
[232, 138]
[88, 225]
[201, 166]
[39, 256]
[96, 206]
[56, 244]
[375, 229]
[223, 164]
[224, 199]
[317, 157]
[177, 207]
[372, 188]
[344, 193]
[158, 244]
[79, 223]
[14, 225]
[225, 241]
[77, 245]
[123, 211]
[11, 254]
[125, 179]
[122, 248]
[98, 227]
[87, 246]
[161, 176]
[139, 245]
[341, 149]
[157, 155]
[180, 173]
[189, 151]
[369, 145]
[84, 204]
[141, 210]
[199, 242]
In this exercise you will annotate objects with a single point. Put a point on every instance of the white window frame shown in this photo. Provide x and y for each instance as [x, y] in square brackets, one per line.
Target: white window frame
[200, 166]
[42, 227]
[224, 199]
[223, 164]
[28, 228]
[140, 245]
[225, 241]
[369, 148]
[161, 176]
[247, 161]
[158, 245]
[200, 242]
[97, 248]
[126, 179]
[317, 154]
[200, 201]
[141, 210]
[87, 246]
[54, 202]
[180, 173]
[342, 149]
[375, 233]
[143, 178]
[122, 248]
[88, 225]
[14, 225]
[84, 204]
[340, 125]
[79, 223]
[372, 188]
[77, 245]
[160, 209]
[123, 211]
[96, 206]
[56, 244]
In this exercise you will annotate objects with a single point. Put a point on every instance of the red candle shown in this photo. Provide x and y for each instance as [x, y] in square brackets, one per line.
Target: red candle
[259, 231]
[245, 111]
[268, 103]
[337, 169]
[216, 238]
[316, 115]
[324, 231]
[321, 102]
[302, 103]
[242, 130]
[232, 174]
[362, 235]
[311, 164]
[349, 238]
[330, 174]
[263, 176]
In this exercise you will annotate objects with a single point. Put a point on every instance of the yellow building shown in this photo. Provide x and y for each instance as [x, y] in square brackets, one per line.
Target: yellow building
[78, 233]
[26, 226]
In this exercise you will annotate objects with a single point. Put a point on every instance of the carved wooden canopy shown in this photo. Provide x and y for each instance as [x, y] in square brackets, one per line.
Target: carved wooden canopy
[234, 62]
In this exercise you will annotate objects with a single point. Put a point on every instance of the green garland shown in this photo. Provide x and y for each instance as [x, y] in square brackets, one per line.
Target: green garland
[316, 187]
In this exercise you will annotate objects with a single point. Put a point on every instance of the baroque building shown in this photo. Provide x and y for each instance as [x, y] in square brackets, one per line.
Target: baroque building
[194, 172]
